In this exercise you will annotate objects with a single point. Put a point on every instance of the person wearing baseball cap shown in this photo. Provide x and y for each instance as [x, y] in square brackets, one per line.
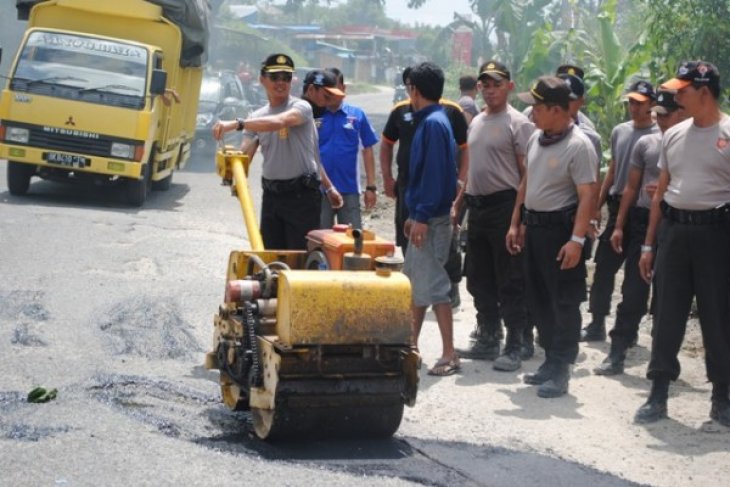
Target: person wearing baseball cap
[640, 96]
[634, 210]
[697, 74]
[291, 173]
[320, 89]
[343, 132]
[497, 142]
[554, 202]
[574, 76]
[693, 256]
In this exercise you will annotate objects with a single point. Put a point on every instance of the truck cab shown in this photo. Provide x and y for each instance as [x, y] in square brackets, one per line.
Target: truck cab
[97, 94]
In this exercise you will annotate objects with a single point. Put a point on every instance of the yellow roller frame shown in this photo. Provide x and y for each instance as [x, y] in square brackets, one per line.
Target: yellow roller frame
[232, 166]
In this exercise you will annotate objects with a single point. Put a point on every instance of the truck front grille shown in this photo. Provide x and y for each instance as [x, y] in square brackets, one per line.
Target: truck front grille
[69, 140]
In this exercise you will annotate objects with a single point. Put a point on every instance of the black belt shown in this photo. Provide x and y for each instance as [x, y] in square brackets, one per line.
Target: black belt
[280, 186]
[483, 201]
[713, 216]
[549, 218]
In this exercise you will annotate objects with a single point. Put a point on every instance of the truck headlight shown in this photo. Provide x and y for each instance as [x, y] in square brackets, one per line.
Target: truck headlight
[17, 134]
[122, 151]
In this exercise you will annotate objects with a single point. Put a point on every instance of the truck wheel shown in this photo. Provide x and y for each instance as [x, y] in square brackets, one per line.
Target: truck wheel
[137, 188]
[19, 175]
[162, 184]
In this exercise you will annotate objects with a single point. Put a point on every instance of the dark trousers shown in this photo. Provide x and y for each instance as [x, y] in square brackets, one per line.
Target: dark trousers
[287, 217]
[554, 295]
[453, 266]
[692, 261]
[494, 278]
[634, 290]
[608, 262]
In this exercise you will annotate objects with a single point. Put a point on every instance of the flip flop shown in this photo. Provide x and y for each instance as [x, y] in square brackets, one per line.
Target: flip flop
[445, 367]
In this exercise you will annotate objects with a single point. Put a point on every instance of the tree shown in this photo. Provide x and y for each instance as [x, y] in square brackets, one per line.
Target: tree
[688, 29]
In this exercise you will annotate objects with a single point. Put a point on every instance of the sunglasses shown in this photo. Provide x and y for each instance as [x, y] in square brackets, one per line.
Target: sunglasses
[280, 77]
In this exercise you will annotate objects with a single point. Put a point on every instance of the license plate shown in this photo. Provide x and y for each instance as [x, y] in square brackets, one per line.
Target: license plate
[66, 159]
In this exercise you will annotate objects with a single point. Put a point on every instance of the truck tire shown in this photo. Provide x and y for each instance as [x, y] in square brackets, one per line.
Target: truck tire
[19, 175]
[137, 189]
[162, 184]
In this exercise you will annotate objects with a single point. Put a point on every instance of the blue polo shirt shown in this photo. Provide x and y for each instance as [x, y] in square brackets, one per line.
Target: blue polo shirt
[341, 134]
[432, 167]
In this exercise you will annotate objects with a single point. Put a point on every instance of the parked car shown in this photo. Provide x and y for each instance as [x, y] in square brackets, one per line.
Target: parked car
[221, 98]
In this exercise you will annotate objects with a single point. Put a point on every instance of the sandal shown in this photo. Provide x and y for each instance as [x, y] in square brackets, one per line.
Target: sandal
[445, 367]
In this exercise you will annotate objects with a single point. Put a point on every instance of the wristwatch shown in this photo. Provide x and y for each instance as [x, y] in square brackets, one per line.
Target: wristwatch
[240, 124]
[371, 188]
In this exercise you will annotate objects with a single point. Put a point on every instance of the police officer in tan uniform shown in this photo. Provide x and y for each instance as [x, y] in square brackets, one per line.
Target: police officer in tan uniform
[555, 202]
[692, 201]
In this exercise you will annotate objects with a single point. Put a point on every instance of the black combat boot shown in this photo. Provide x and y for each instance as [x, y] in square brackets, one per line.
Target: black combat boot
[557, 384]
[511, 359]
[527, 350]
[484, 343]
[484, 347]
[720, 410]
[614, 363]
[655, 408]
[595, 331]
[542, 374]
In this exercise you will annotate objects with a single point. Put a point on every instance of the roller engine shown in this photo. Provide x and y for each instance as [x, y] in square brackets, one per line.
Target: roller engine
[314, 343]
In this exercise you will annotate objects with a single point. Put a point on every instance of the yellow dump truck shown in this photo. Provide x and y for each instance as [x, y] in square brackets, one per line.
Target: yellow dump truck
[101, 92]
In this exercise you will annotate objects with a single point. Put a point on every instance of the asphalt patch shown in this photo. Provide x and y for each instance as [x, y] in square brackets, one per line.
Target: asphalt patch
[172, 409]
[14, 402]
[423, 462]
[23, 305]
[151, 328]
[22, 335]
[25, 311]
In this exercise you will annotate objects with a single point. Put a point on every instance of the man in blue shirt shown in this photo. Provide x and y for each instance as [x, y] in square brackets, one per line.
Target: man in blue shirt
[344, 128]
[431, 190]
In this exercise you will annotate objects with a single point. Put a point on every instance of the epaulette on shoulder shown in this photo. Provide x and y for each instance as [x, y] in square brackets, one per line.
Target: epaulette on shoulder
[401, 104]
[448, 103]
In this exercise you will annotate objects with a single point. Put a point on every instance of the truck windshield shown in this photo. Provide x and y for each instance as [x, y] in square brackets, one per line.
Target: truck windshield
[82, 68]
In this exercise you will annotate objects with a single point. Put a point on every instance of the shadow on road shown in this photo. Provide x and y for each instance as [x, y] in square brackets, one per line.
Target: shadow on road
[53, 194]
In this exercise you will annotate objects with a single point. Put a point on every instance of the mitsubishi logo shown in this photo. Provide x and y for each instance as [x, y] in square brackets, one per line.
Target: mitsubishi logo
[70, 121]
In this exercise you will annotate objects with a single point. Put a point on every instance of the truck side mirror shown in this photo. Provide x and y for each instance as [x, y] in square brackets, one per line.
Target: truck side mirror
[159, 80]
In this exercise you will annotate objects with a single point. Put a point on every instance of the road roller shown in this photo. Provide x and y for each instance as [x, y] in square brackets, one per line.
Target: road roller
[314, 343]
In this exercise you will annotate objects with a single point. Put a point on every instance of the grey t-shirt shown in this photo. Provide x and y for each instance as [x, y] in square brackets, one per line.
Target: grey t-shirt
[623, 138]
[469, 106]
[645, 158]
[698, 161]
[495, 141]
[595, 139]
[554, 171]
[290, 152]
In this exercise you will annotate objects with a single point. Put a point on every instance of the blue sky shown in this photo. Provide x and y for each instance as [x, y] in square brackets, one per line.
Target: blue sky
[435, 12]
